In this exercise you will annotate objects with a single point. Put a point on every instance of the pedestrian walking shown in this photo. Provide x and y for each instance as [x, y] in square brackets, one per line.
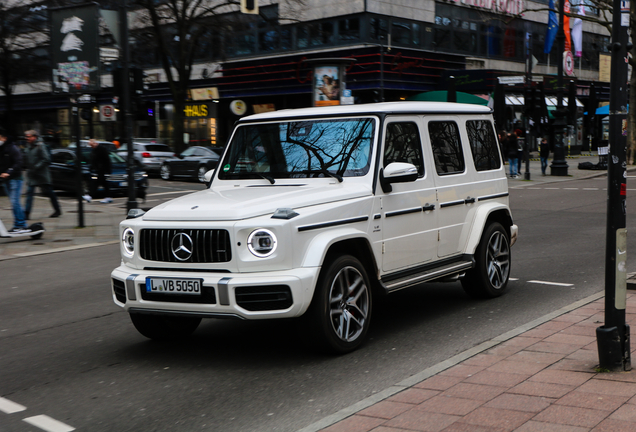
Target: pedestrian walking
[544, 154]
[38, 160]
[512, 148]
[11, 176]
[100, 165]
[520, 149]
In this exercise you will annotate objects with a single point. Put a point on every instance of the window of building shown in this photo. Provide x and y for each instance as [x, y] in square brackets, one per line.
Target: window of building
[349, 29]
[402, 144]
[447, 147]
[483, 145]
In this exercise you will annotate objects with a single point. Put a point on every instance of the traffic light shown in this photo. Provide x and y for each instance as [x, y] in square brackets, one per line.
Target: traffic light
[249, 6]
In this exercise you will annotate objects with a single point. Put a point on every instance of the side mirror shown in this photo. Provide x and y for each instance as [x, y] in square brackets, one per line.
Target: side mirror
[397, 172]
[208, 176]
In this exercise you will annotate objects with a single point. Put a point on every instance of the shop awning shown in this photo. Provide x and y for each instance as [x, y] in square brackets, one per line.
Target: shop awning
[550, 101]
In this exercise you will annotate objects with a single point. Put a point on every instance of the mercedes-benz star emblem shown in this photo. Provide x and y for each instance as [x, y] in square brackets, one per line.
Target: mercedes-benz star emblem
[182, 246]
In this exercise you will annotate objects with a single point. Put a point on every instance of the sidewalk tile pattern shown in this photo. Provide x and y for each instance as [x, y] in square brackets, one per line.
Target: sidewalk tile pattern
[545, 380]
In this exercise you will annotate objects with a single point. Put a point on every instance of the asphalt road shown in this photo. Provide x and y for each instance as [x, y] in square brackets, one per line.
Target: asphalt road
[68, 353]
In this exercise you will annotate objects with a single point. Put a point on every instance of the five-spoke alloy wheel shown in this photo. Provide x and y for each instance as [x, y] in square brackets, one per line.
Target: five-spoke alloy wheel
[341, 311]
[490, 276]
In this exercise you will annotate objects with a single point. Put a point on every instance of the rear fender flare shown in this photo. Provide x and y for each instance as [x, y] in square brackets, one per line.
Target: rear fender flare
[495, 211]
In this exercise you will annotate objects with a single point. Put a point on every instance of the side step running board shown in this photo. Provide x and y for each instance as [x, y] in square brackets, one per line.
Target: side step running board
[426, 276]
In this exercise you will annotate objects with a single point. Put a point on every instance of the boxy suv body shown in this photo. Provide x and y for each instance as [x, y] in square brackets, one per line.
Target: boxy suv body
[319, 212]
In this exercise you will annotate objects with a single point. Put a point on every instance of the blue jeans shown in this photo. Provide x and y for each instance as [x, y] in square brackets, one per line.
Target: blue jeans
[544, 164]
[13, 189]
[513, 166]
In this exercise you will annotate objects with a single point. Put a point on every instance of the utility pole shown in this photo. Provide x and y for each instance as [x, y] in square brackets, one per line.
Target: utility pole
[613, 337]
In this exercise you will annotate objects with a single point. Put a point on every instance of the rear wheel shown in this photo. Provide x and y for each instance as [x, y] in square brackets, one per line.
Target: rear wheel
[340, 313]
[161, 327]
[490, 276]
[165, 172]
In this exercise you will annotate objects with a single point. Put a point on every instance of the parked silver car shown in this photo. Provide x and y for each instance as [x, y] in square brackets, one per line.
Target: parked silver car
[148, 154]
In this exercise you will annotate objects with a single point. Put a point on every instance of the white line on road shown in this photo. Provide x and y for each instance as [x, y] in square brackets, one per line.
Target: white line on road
[550, 283]
[8, 407]
[571, 188]
[552, 188]
[48, 424]
[590, 188]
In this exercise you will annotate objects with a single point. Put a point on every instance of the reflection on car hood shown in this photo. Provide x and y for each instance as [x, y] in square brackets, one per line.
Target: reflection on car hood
[252, 200]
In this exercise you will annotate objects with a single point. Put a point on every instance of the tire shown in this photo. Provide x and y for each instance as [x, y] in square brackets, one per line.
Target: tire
[340, 313]
[201, 173]
[165, 172]
[164, 328]
[489, 277]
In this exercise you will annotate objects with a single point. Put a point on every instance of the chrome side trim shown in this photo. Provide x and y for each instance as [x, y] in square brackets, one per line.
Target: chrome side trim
[130, 287]
[224, 295]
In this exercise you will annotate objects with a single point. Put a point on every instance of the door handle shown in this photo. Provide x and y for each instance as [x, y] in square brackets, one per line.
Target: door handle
[428, 207]
[469, 200]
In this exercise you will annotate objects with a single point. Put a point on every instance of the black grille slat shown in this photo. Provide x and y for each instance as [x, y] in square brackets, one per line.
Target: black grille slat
[209, 245]
[262, 298]
[119, 288]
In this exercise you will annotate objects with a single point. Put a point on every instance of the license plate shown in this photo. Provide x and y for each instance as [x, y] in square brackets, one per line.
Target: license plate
[173, 286]
[123, 183]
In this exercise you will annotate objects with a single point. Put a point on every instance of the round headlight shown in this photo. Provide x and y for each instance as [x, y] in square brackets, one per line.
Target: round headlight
[128, 240]
[262, 243]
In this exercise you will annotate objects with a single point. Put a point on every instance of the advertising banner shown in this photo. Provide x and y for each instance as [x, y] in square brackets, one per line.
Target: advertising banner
[75, 49]
[326, 85]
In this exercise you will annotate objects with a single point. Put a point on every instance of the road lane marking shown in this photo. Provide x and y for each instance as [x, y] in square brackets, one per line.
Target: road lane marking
[550, 283]
[8, 407]
[552, 188]
[48, 424]
[590, 188]
[571, 188]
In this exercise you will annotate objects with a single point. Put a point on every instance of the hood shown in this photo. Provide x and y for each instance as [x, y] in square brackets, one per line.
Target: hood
[252, 200]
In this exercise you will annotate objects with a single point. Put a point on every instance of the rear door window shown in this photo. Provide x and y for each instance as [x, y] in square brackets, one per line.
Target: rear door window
[483, 145]
[447, 147]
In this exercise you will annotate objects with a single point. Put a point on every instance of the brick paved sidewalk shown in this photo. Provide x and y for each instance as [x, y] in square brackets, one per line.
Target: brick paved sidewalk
[543, 379]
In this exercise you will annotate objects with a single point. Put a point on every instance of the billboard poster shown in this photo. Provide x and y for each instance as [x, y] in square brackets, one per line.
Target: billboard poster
[75, 49]
[326, 85]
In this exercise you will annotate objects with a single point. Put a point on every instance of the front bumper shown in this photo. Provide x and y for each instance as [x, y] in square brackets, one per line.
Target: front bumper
[251, 296]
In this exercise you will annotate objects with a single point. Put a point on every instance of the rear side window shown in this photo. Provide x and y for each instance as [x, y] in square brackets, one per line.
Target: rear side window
[403, 145]
[483, 145]
[447, 147]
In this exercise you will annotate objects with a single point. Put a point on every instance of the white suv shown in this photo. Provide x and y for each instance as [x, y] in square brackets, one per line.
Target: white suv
[317, 212]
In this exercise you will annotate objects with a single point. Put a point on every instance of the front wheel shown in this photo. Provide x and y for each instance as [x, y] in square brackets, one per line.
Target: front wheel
[490, 276]
[165, 172]
[161, 327]
[340, 313]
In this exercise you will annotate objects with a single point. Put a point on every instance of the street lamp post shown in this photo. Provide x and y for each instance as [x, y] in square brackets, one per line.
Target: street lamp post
[126, 111]
[559, 166]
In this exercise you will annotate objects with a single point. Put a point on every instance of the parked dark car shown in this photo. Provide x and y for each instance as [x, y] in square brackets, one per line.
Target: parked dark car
[63, 172]
[192, 163]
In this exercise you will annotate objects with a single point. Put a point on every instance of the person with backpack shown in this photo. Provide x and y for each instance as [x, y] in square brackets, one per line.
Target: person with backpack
[38, 160]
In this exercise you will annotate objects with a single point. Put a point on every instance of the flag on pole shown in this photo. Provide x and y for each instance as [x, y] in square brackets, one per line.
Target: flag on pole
[577, 31]
[553, 26]
[566, 25]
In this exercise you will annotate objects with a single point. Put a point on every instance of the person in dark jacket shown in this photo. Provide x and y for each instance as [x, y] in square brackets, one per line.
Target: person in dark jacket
[511, 150]
[11, 177]
[38, 174]
[544, 154]
[100, 165]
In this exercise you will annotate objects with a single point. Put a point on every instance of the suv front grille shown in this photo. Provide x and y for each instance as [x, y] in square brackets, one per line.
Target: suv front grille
[208, 245]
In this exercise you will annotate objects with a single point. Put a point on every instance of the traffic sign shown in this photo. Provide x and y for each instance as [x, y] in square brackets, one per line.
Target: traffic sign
[510, 80]
[568, 63]
[107, 113]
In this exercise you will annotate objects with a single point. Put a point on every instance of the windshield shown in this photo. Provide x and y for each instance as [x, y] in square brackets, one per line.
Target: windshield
[300, 149]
